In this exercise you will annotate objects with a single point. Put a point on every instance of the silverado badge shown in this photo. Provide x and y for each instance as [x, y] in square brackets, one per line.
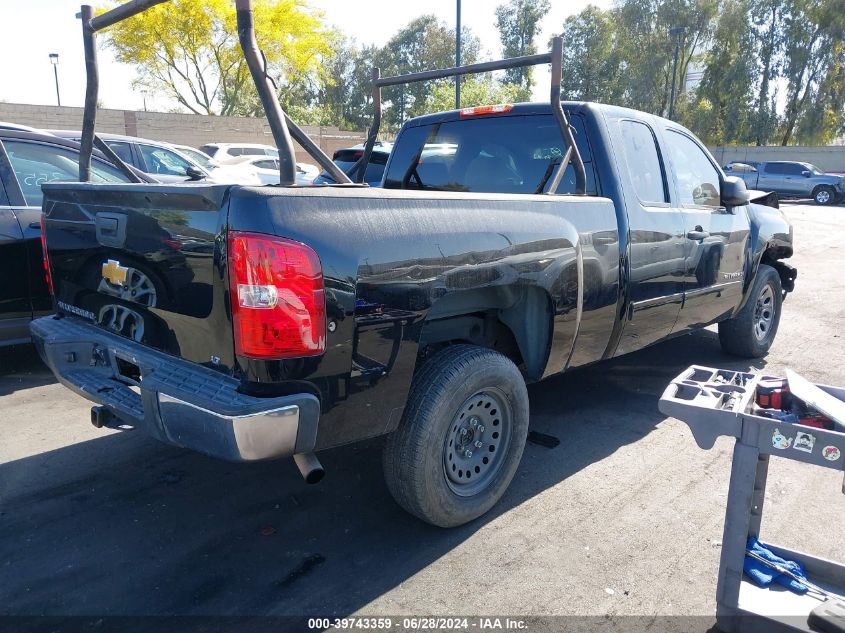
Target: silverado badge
[114, 273]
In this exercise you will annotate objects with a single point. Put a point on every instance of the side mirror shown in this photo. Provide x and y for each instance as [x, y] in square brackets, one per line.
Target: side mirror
[194, 173]
[806, 174]
[734, 193]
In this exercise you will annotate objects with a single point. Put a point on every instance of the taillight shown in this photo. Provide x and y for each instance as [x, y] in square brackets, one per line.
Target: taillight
[278, 304]
[502, 108]
[45, 258]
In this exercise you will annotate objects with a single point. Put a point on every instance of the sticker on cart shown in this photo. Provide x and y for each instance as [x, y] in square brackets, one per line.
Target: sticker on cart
[780, 441]
[804, 442]
[831, 453]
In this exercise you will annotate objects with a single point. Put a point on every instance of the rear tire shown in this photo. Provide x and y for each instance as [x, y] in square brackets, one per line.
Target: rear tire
[824, 195]
[751, 332]
[461, 437]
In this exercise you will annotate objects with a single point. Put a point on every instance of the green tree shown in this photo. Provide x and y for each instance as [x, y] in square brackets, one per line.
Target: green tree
[625, 54]
[476, 90]
[730, 70]
[189, 51]
[767, 17]
[345, 95]
[812, 67]
[591, 69]
[424, 44]
[518, 23]
[822, 120]
[646, 47]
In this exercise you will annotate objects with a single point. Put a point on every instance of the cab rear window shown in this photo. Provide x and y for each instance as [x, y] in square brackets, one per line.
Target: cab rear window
[506, 154]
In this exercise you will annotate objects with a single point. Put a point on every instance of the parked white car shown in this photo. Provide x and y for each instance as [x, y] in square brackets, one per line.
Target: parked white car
[267, 170]
[227, 153]
[216, 171]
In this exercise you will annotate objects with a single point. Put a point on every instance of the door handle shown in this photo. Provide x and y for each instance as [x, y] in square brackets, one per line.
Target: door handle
[698, 234]
[35, 225]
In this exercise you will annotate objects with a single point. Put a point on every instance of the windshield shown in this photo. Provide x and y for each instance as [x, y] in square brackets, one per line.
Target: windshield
[507, 154]
[197, 156]
[813, 169]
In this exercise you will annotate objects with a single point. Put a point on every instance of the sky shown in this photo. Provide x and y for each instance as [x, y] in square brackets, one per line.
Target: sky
[34, 29]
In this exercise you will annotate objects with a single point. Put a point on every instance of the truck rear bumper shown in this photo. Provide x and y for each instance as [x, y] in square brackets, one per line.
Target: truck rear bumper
[173, 400]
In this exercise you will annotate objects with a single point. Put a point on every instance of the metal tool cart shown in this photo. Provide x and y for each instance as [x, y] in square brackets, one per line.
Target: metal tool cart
[716, 402]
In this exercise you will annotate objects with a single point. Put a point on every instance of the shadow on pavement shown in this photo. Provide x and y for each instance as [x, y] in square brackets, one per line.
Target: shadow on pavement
[21, 368]
[123, 525]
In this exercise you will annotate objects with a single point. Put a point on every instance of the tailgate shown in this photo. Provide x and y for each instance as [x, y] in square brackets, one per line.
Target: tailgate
[144, 261]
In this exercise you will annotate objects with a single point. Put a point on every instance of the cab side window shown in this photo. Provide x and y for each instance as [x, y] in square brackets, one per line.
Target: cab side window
[698, 179]
[643, 161]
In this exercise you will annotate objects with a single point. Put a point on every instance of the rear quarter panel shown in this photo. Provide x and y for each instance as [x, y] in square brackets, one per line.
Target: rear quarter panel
[393, 259]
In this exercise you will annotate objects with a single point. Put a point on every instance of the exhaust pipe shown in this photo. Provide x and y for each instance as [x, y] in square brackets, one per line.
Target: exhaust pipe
[309, 466]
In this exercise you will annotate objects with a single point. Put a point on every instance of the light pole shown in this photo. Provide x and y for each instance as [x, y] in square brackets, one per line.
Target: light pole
[677, 32]
[458, 56]
[54, 59]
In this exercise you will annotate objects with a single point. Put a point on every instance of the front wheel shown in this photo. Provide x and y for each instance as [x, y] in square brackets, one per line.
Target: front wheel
[824, 196]
[751, 332]
[461, 437]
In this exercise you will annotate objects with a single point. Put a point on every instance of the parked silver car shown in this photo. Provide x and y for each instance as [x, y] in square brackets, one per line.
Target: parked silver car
[791, 180]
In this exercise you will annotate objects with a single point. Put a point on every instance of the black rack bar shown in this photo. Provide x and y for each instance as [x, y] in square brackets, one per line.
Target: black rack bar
[114, 158]
[122, 12]
[90, 26]
[572, 152]
[554, 57]
[280, 124]
[257, 64]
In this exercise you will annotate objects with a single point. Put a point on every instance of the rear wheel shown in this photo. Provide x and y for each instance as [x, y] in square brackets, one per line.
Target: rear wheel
[824, 195]
[461, 437]
[752, 331]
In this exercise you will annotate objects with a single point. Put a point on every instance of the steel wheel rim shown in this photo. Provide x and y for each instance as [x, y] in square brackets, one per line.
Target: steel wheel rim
[764, 313]
[823, 196]
[477, 442]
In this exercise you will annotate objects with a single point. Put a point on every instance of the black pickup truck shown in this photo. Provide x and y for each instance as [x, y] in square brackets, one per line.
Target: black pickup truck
[260, 322]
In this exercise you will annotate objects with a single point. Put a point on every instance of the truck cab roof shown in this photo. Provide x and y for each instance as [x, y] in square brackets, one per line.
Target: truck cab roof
[533, 107]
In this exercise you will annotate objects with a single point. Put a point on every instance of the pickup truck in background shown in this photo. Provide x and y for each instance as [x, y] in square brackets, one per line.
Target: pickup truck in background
[791, 180]
[261, 322]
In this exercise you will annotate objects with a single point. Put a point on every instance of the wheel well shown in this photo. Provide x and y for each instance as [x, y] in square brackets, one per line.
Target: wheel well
[771, 257]
[817, 187]
[514, 328]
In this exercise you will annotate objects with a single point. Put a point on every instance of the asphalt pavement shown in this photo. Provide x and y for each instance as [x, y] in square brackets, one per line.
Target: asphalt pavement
[624, 517]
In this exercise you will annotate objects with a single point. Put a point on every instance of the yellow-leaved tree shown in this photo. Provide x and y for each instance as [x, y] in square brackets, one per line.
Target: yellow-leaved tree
[188, 50]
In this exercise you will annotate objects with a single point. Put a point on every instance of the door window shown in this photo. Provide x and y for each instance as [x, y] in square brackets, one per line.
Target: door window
[163, 161]
[698, 179]
[266, 164]
[644, 167]
[123, 151]
[794, 169]
[37, 163]
[775, 168]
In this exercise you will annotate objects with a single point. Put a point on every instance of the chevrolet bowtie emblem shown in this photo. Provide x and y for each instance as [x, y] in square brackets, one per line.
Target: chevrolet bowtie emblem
[114, 273]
